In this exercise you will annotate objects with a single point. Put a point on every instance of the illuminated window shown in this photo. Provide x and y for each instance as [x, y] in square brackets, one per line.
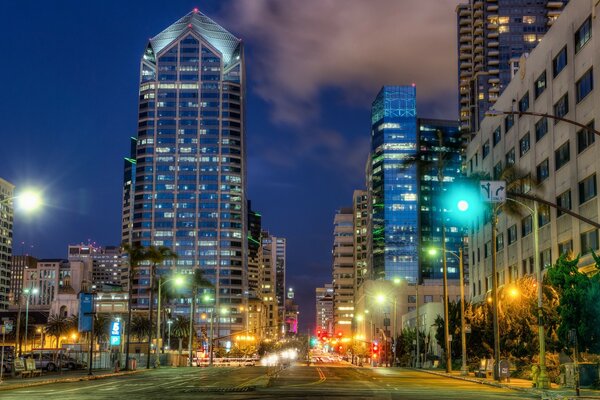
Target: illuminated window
[503, 20]
[530, 38]
[503, 29]
[529, 19]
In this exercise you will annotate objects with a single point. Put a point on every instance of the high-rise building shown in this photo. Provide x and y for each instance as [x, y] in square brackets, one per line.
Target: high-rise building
[190, 180]
[557, 79]
[128, 191]
[268, 278]
[18, 266]
[324, 307]
[280, 269]
[361, 236]
[107, 263]
[6, 234]
[493, 35]
[408, 213]
[254, 224]
[343, 270]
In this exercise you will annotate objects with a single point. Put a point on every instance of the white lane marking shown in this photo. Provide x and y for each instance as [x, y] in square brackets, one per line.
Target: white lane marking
[87, 387]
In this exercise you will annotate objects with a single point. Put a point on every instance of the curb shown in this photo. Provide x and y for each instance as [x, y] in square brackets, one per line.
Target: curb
[66, 380]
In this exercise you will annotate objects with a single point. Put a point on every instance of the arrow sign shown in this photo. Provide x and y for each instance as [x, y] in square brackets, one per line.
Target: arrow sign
[493, 191]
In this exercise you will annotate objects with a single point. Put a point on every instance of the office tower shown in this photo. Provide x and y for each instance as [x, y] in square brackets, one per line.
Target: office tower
[343, 270]
[361, 236]
[324, 307]
[292, 313]
[6, 234]
[18, 266]
[280, 268]
[557, 80]
[190, 180]
[107, 264]
[254, 224]
[493, 35]
[268, 278]
[407, 205]
[128, 190]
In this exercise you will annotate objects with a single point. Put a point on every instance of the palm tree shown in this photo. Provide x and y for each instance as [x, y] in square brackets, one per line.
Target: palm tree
[180, 330]
[141, 327]
[198, 281]
[101, 327]
[156, 255]
[137, 254]
[57, 326]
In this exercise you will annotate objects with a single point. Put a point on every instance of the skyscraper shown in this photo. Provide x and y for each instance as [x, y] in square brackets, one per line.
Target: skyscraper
[492, 37]
[343, 270]
[190, 180]
[6, 234]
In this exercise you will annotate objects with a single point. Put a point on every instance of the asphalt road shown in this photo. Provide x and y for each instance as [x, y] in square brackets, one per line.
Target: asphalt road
[323, 381]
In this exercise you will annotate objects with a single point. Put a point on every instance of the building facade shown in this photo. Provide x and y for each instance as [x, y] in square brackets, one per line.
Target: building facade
[492, 36]
[268, 278]
[190, 180]
[324, 308]
[6, 239]
[557, 79]
[107, 263]
[19, 265]
[361, 236]
[343, 270]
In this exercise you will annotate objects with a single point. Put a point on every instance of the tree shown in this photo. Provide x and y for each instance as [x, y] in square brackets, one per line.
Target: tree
[180, 329]
[198, 281]
[101, 327]
[57, 326]
[141, 327]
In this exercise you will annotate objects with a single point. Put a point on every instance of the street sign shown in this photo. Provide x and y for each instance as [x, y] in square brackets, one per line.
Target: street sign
[115, 333]
[8, 326]
[493, 191]
[86, 308]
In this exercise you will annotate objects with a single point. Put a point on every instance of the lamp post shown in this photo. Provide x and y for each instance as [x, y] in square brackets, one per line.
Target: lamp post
[381, 299]
[207, 299]
[169, 323]
[178, 280]
[28, 292]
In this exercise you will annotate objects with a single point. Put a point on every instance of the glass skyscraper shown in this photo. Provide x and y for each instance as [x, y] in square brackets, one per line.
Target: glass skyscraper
[407, 200]
[190, 182]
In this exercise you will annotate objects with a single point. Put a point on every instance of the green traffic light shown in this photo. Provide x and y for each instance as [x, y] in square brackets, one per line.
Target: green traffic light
[462, 205]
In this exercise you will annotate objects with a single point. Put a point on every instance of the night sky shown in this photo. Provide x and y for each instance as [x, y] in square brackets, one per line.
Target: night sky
[70, 73]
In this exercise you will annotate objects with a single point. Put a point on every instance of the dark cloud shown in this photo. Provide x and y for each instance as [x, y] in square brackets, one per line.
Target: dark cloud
[303, 47]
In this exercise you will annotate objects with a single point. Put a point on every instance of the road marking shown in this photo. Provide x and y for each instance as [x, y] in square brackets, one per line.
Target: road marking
[87, 387]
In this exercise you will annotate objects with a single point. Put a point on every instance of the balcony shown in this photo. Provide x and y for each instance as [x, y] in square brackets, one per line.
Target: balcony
[465, 21]
[478, 13]
[554, 4]
[494, 81]
[478, 58]
[493, 61]
[477, 4]
[493, 43]
[493, 53]
[493, 71]
[465, 38]
[492, 26]
[465, 29]
[492, 8]
[466, 65]
[494, 89]
[553, 14]
[478, 40]
[465, 56]
[479, 30]
[493, 35]
[464, 100]
[477, 22]
[466, 46]
[465, 73]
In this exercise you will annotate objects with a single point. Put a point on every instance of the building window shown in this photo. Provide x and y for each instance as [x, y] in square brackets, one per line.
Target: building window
[561, 108]
[428, 298]
[562, 155]
[485, 149]
[585, 138]
[498, 170]
[560, 62]
[546, 258]
[509, 121]
[524, 103]
[503, 29]
[499, 242]
[487, 249]
[526, 226]
[529, 19]
[565, 247]
[524, 145]
[583, 34]
[563, 200]
[412, 299]
[543, 171]
[541, 128]
[512, 234]
[529, 38]
[589, 241]
[584, 85]
[497, 136]
[510, 157]
[587, 189]
[540, 84]
[543, 215]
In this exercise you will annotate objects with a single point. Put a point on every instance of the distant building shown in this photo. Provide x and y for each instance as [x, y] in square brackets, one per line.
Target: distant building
[361, 236]
[343, 271]
[428, 313]
[292, 312]
[268, 277]
[6, 235]
[18, 266]
[107, 263]
[492, 37]
[324, 308]
[254, 242]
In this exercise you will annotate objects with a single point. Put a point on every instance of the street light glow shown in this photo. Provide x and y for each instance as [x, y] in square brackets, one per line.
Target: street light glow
[29, 200]
[179, 280]
[380, 298]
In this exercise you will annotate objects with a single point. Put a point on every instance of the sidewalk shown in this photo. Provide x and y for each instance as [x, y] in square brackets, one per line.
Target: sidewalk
[11, 383]
[523, 385]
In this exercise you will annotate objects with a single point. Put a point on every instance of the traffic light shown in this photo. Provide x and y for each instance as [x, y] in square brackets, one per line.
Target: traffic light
[340, 348]
[463, 200]
[374, 349]
[313, 341]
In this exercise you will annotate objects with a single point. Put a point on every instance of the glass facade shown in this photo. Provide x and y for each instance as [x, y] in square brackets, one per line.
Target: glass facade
[393, 186]
[190, 159]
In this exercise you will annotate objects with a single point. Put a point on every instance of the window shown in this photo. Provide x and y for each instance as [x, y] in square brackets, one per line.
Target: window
[561, 108]
[428, 298]
[540, 84]
[524, 145]
[583, 34]
[412, 299]
[487, 249]
[565, 247]
[509, 121]
[503, 29]
[529, 19]
[587, 189]
[503, 20]
[530, 37]
[498, 170]
[543, 215]
[585, 138]
[485, 149]
[512, 234]
[525, 185]
[546, 258]
[541, 128]
[584, 85]
[563, 200]
[496, 136]
[526, 226]
[510, 157]
[559, 62]
[499, 242]
[589, 241]
[524, 103]
[562, 155]
[542, 170]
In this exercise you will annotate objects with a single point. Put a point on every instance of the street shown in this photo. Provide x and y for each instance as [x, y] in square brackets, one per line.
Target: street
[296, 382]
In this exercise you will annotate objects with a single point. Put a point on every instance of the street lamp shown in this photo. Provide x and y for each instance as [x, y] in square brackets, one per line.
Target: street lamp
[178, 281]
[28, 292]
[169, 323]
[207, 299]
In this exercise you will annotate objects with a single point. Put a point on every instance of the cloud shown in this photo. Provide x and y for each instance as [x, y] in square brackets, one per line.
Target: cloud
[303, 47]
